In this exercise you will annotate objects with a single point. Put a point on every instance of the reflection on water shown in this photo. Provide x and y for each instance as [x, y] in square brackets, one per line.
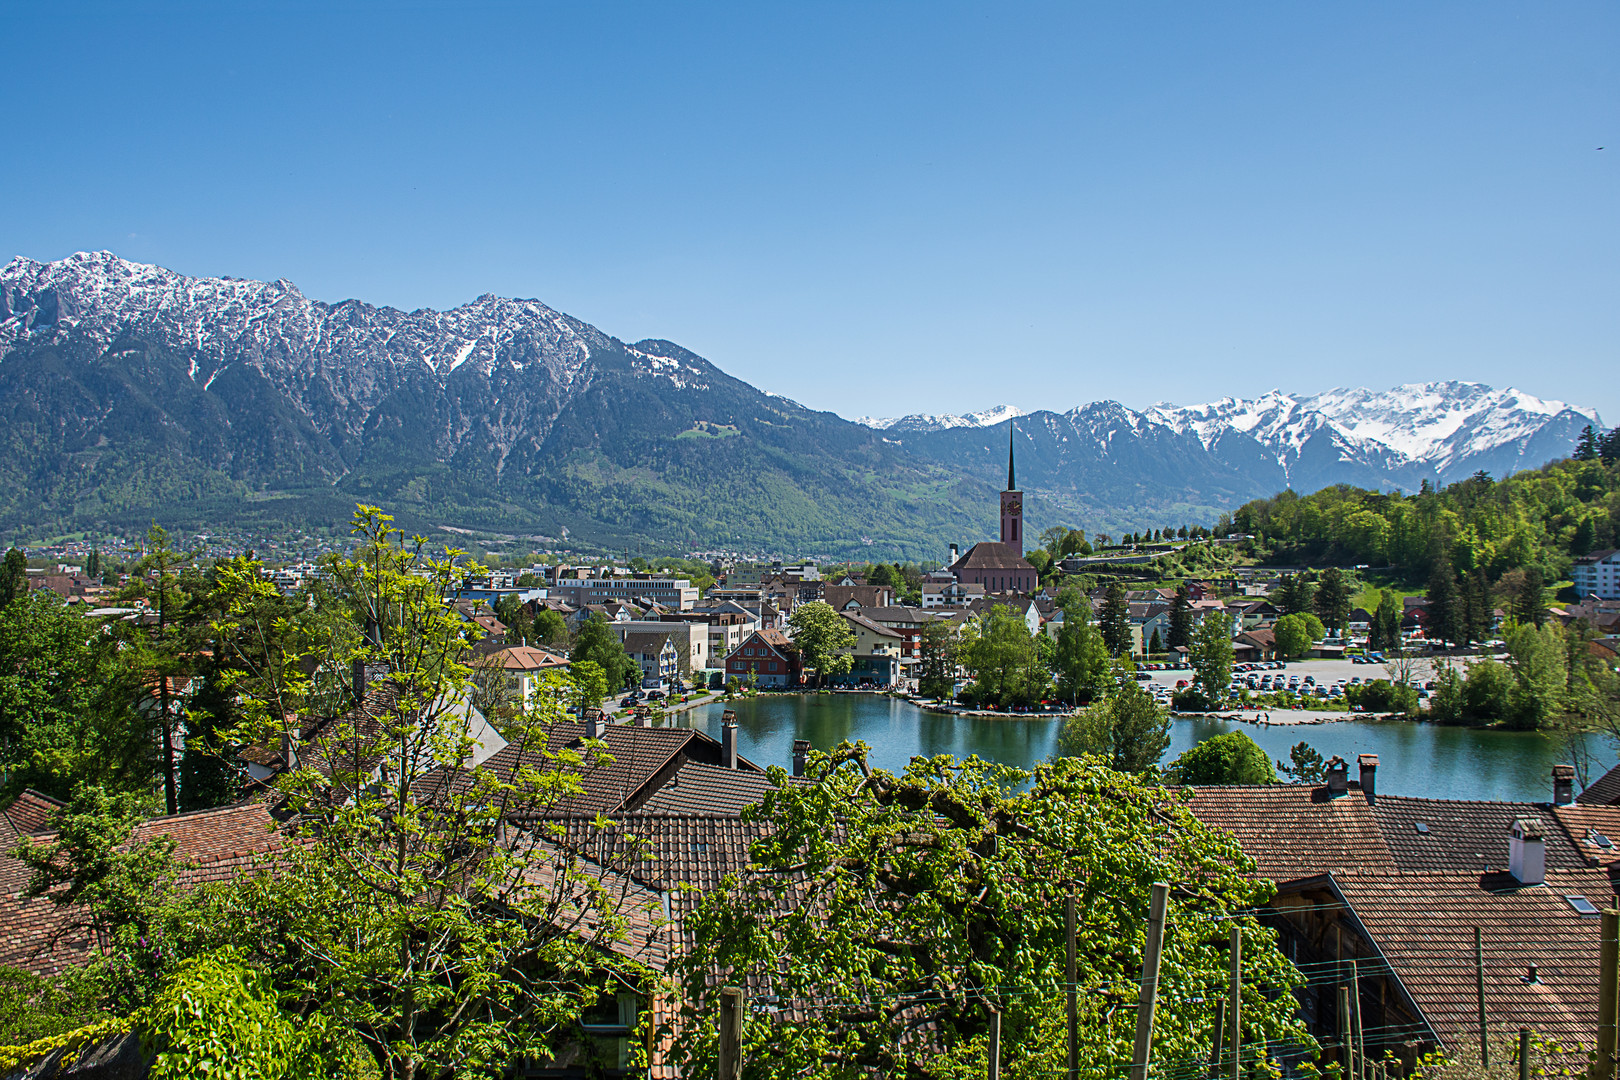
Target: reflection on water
[1414, 759]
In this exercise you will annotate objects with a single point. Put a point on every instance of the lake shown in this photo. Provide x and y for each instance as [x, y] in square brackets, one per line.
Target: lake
[1413, 758]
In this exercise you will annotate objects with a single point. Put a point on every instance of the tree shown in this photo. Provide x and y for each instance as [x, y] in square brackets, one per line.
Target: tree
[937, 671]
[1181, 618]
[1444, 623]
[1305, 764]
[1586, 446]
[1116, 621]
[1155, 646]
[13, 577]
[167, 650]
[1585, 538]
[599, 644]
[514, 615]
[1296, 633]
[587, 686]
[452, 928]
[824, 638]
[1478, 614]
[1295, 594]
[1211, 657]
[549, 628]
[880, 574]
[67, 703]
[92, 565]
[1526, 605]
[1385, 631]
[1128, 730]
[1081, 660]
[1540, 669]
[877, 891]
[1003, 661]
[1332, 600]
[1233, 758]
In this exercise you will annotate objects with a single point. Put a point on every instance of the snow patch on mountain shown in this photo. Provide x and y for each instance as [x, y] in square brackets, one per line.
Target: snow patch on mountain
[942, 421]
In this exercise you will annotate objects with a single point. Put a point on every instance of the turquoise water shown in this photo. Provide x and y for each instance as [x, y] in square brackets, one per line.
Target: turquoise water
[1414, 759]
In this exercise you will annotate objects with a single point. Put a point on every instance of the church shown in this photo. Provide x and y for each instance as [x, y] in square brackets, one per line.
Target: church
[1000, 566]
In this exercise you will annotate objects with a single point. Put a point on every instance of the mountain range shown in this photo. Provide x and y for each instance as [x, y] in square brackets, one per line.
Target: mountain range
[130, 392]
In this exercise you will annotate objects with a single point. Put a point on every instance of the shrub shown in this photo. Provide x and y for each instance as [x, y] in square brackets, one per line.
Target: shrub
[1233, 758]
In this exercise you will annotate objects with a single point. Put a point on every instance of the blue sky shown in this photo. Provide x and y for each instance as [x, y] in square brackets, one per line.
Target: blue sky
[876, 207]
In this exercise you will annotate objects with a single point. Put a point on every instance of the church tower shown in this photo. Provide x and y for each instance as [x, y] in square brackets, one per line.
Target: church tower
[1012, 502]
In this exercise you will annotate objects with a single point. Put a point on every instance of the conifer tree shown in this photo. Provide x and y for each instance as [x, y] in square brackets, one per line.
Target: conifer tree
[1332, 599]
[1116, 621]
[1181, 619]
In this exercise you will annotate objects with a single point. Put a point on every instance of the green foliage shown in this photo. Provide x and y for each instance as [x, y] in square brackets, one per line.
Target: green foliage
[217, 1018]
[1540, 669]
[1211, 657]
[66, 703]
[1383, 696]
[1384, 633]
[1128, 730]
[1295, 594]
[1296, 633]
[936, 674]
[1181, 618]
[1081, 659]
[1531, 520]
[13, 576]
[588, 685]
[1305, 764]
[549, 628]
[824, 639]
[1233, 758]
[1003, 661]
[33, 1008]
[1115, 620]
[879, 890]
[1332, 599]
[597, 643]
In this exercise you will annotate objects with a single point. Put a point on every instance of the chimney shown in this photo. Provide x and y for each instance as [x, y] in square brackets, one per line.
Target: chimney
[953, 557]
[1527, 851]
[1369, 770]
[1563, 785]
[357, 680]
[801, 756]
[595, 724]
[289, 741]
[643, 716]
[1337, 774]
[728, 739]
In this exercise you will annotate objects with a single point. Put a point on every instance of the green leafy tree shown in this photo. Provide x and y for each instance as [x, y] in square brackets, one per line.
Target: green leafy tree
[597, 643]
[1128, 730]
[1540, 670]
[587, 686]
[13, 576]
[1003, 660]
[1383, 696]
[1305, 764]
[1527, 606]
[1115, 620]
[219, 1018]
[549, 628]
[1233, 758]
[824, 639]
[1332, 599]
[516, 618]
[1296, 633]
[1181, 618]
[876, 891]
[880, 574]
[1211, 657]
[67, 703]
[451, 928]
[1081, 659]
[936, 645]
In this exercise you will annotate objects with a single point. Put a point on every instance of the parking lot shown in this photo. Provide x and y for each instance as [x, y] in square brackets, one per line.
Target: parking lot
[1325, 672]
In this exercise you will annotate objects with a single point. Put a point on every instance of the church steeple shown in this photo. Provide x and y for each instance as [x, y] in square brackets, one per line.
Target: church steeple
[1012, 429]
[1012, 504]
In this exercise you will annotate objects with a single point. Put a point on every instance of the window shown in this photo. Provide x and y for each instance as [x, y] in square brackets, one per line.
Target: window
[773, 665]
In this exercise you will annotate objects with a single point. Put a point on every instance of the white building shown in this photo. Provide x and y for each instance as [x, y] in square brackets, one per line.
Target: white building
[1598, 574]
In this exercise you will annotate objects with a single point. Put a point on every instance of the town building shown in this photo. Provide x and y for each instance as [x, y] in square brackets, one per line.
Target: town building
[524, 669]
[654, 653]
[1000, 567]
[876, 655]
[1597, 574]
[677, 594]
[690, 637]
[769, 657]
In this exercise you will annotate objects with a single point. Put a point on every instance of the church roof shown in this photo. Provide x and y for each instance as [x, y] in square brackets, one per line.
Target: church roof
[991, 555]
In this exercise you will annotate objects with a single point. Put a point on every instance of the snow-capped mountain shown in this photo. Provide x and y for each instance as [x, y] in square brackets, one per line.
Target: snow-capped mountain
[916, 422]
[1401, 436]
[130, 392]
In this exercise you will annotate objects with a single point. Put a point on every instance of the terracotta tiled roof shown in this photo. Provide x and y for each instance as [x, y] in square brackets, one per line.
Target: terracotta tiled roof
[1604, 791]
[1464, 835]
[991, 555]
[217, 844]
[1589, 827]
[1424, 926]
[1293, 830]
[28, 811]
[700, 788]
[527, 658]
